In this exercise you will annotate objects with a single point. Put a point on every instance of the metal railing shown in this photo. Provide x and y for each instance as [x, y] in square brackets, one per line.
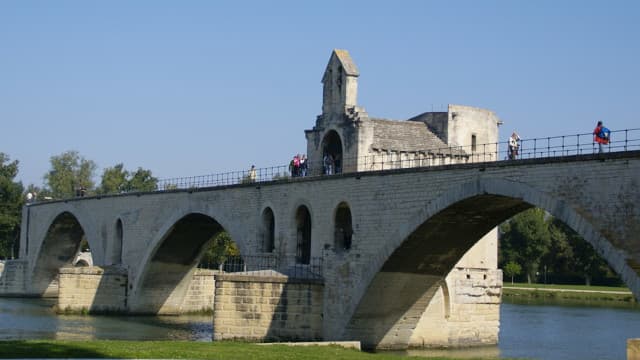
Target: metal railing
[267, 265]
[380, 160]
[553, 146]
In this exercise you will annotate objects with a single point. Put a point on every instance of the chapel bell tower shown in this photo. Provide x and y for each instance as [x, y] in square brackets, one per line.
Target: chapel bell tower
[340, 83]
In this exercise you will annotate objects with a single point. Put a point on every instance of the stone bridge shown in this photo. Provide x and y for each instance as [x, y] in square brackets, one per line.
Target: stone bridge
[399, 277]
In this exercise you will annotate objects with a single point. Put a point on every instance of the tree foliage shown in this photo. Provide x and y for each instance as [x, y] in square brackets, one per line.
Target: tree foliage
[544, 245]
[526, 240]
[69, 173]
[143, 180]
[11, 201]
[118, 180]
[512, 269]
[220, 247]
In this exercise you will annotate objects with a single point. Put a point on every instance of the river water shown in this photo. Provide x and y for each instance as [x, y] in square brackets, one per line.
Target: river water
[534, 331]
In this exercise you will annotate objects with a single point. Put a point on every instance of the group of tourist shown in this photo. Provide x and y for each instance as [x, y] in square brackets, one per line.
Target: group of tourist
[298, 166]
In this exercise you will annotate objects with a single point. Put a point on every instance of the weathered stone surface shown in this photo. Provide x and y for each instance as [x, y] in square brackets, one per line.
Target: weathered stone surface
[92, 288]
[255, 312]
[633, 349]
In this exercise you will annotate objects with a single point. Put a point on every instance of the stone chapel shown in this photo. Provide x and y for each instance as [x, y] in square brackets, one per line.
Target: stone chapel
[357, 142]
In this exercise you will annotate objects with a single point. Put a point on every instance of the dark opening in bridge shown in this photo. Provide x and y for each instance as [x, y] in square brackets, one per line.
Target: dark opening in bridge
[268, 230]
[303, 235]
[332, 147]
[343, 229]
[117, 244]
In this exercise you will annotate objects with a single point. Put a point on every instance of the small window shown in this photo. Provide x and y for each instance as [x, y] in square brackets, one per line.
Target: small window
[303, 235]
[343, 230]
[268, 230]
[473, 143]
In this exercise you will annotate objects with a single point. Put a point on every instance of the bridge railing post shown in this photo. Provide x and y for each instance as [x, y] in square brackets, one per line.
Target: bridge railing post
[626, 139]
[548, 146]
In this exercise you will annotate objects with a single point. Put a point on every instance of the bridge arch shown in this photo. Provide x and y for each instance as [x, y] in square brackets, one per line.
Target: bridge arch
[426, 247]
[58, 248]
[169, 268]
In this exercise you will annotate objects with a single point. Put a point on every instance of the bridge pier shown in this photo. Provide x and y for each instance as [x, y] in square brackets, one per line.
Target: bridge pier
[13, 274]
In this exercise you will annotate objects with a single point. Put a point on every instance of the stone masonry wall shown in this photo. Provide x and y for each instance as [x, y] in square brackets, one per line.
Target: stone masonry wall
[103, 289]
[12, 277]
[267, 308]
[92, 288]
[201, 292]
[464, 313]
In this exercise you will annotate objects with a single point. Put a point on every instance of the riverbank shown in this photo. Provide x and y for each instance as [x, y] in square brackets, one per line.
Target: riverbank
[180, 350]
[580, 293]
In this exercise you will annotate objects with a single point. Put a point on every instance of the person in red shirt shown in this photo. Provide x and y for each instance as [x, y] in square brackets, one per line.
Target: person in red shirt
[599, 137]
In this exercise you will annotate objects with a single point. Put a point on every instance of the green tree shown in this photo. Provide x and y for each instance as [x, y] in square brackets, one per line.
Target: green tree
[512, 269]
[586, 261]
[114, 180]
[526, 240]
[559, 258]
[143, 180]
[69, 173]
[11, 201]
[220, 247]
[117, 180]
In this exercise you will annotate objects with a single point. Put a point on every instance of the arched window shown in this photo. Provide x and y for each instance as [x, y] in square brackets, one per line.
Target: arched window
[117, 247]
[303, 235]
[332, 159]
[268, 230]
[343, 229]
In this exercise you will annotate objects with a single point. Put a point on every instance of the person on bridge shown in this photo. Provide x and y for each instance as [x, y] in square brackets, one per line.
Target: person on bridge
[303, 165]
[601, 136]
[514, 145]
[328, 164]
[252, 174]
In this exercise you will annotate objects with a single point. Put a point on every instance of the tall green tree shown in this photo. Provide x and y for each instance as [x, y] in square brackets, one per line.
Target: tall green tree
[11, 201]
[143, 180]
[116, 180]
[560, 257]
[585, 260]
[69, 172]
[526, 240]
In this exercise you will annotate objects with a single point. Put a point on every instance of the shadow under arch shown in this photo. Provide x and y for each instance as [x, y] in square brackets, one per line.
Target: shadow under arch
[427, 248]
[168, 271]
[59, 248]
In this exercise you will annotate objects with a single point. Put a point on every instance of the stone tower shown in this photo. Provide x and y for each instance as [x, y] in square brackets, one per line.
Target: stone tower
[340, 83]
[353, 141]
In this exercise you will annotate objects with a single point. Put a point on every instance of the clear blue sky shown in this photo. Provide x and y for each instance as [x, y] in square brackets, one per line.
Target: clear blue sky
[196, 87]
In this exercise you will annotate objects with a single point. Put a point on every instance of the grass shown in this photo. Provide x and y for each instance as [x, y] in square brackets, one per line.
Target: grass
[568, 287]
[593, 294]
[179, 350]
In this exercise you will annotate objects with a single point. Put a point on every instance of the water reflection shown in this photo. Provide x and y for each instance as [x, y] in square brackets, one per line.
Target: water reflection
[538, 331]
[35, 319]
